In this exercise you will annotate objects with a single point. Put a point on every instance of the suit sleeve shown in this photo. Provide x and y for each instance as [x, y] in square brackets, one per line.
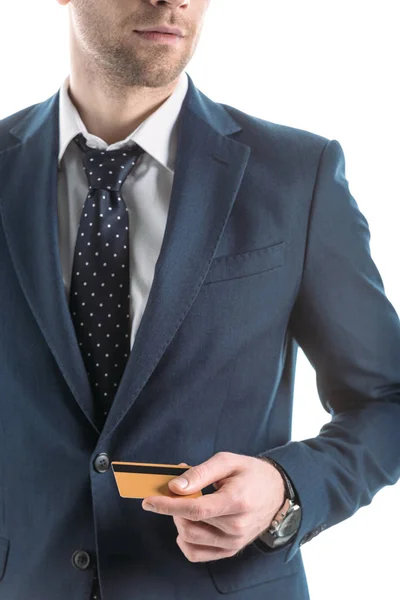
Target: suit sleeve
[350, 333]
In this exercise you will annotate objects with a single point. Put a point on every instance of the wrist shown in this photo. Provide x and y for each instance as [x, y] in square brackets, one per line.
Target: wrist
[286, 521]
[288, 488]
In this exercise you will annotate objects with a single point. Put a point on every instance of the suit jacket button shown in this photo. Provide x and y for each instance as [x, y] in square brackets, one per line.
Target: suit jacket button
[80, 559]
[306, 538]
[102, 463]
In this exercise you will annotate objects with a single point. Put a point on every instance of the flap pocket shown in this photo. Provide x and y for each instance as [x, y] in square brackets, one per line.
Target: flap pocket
[251, 567]
[248, 263]
[4, 546]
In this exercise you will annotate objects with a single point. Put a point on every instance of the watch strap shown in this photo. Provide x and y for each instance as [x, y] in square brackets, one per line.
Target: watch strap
[269, 536]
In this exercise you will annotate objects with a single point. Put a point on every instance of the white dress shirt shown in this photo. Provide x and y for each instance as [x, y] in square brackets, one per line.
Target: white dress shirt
[146, 191]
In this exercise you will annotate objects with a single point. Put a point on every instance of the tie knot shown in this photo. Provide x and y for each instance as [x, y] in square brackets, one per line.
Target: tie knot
[107, 169]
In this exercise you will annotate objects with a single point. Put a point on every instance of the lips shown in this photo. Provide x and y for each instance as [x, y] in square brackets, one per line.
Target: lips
[162, 29]
[155, 37]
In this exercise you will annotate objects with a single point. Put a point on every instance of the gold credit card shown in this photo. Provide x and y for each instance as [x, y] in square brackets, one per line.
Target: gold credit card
[140, 480]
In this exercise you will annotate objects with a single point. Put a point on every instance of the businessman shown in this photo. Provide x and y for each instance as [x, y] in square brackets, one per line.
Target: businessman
[163, 256]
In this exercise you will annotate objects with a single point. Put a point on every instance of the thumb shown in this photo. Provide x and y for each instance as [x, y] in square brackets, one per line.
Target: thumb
[174, 483]
[212, 470]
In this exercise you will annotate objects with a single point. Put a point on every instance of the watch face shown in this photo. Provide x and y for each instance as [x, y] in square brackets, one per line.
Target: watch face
[291, 522]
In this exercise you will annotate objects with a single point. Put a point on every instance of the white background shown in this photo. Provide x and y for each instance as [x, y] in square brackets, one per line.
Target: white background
[330, 67]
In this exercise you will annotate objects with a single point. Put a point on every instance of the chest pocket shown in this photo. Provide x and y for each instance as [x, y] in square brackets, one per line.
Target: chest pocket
[248, 263]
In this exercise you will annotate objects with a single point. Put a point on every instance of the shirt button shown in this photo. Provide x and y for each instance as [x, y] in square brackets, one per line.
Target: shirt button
[102, 463]
[80, 559]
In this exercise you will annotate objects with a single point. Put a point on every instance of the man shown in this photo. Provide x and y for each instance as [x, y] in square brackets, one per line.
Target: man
[162, 257]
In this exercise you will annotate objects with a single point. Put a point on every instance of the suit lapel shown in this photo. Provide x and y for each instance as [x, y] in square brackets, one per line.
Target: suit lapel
[208, 172]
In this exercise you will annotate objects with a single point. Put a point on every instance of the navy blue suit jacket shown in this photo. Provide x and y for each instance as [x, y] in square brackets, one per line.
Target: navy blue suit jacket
[265, 249]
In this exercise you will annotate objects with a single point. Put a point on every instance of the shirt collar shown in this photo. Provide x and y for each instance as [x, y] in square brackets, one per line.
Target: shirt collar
[156, 135]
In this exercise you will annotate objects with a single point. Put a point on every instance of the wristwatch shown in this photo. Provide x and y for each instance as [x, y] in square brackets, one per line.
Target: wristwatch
[286, 522]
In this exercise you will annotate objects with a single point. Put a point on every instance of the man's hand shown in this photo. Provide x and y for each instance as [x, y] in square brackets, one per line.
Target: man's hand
[249, 493]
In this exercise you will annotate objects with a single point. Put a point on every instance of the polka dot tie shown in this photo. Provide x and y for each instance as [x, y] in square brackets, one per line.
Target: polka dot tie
[99, 295]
